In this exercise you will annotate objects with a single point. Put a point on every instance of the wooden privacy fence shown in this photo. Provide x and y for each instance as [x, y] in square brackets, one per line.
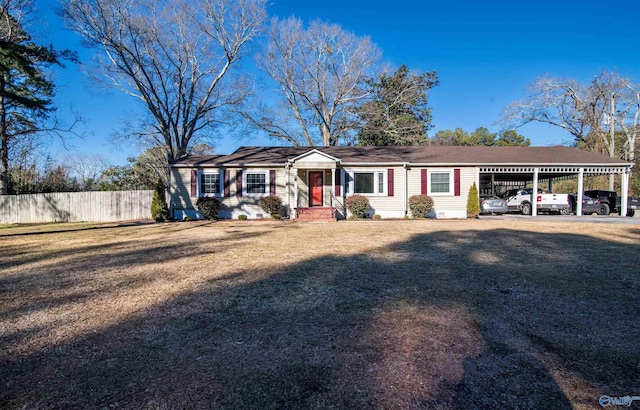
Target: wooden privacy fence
[102, 206]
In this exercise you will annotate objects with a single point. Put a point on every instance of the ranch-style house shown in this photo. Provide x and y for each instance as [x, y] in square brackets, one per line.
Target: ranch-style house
[313, 182]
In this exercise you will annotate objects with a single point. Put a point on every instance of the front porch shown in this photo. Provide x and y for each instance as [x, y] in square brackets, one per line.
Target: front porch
[316, 214]
[316, 187]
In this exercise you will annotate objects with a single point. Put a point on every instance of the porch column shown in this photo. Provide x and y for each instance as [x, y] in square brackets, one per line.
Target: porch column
[333, 187]
[624, 191]
[295, 190]
[534, 193]
[580, 192]
[405, 195]
[287, 167]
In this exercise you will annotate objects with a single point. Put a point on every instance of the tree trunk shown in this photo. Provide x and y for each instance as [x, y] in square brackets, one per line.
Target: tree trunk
[4, 150]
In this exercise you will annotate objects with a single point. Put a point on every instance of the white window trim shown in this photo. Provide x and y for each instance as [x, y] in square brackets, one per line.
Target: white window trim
[267, 182]
[376, 172]
[220, 173]
[451, 181]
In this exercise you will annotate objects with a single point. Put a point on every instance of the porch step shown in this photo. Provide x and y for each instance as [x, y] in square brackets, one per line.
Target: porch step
[316, 214]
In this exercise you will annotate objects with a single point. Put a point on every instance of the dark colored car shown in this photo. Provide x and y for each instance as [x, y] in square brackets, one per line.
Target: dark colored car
[491, 204]
[610, 202]
[589, 205]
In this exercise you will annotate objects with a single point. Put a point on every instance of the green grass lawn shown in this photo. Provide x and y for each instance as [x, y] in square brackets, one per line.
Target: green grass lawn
[376, 314]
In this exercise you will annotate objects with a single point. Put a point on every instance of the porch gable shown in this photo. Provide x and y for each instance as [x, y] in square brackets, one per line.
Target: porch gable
[315, 159]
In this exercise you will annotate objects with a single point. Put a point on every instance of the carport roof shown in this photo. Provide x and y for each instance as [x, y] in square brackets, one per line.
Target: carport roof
[414, 155]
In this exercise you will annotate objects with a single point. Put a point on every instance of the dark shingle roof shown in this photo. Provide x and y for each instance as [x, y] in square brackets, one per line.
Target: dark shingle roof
[433, 155]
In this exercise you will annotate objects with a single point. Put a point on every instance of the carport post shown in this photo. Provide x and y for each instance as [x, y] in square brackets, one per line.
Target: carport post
[534, 193]
[580, 192]
[624, 190]
[493, 183]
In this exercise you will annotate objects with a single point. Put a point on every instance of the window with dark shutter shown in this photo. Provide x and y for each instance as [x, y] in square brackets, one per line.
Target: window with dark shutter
[256, 183]
[210, 183]
[390, 182]
[440, 182]
[337, 183]
[456, 182]
[423, 182]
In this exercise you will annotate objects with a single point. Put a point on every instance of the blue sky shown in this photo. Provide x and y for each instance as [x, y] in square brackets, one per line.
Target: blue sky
[485, 53]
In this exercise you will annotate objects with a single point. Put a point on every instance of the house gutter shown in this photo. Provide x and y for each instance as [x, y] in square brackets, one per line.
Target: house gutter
[418, 164]
[373, 164]
[405, 166]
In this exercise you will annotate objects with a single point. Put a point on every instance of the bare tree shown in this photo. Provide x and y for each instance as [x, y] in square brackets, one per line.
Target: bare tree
[87, 169]
[13, 14]
[319, 72]
[584, 110]
[175, 56]
[627, 110]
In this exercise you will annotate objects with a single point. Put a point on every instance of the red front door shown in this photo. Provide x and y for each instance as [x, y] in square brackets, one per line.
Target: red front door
[315, 186]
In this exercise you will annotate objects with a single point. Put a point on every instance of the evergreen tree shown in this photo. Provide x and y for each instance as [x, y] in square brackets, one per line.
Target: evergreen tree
[159, 208]
[510, 138]
[26, 92]
[398, 113]
[480, 137]
[473, 202]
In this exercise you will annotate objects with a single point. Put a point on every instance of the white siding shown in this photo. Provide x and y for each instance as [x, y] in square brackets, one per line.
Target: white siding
[180, 189]
[384, 205]
[230, 206]
[448, 206]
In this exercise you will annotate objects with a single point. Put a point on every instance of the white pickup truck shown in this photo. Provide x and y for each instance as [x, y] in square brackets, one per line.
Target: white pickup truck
[519, 200]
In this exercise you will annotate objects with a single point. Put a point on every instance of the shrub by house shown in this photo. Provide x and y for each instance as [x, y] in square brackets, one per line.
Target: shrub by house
[208, 207]
[420, 205]
[473, 202]
[357, 205]
[159, 208]
[271, 204]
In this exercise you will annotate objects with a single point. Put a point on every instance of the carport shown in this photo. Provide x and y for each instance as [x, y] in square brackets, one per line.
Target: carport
[521, 175]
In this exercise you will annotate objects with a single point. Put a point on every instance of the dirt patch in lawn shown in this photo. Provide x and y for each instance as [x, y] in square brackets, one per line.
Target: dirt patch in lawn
[376, 314]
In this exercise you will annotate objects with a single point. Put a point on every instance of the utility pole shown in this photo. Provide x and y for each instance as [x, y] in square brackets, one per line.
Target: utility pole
[612, 140]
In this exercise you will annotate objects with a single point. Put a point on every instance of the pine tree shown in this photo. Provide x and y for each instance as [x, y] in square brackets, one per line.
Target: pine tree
[26, 92]
[398, 113]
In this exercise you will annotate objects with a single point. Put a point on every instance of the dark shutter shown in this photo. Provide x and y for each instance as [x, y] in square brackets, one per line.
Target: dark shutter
[227, 183]
[272, 181]
[423, 181]
[456, 182]
[194, 183]
[390, 182]
[337, 183]
[238, 183]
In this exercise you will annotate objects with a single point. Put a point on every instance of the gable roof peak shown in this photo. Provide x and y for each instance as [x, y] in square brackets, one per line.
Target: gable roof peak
[315, 153]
